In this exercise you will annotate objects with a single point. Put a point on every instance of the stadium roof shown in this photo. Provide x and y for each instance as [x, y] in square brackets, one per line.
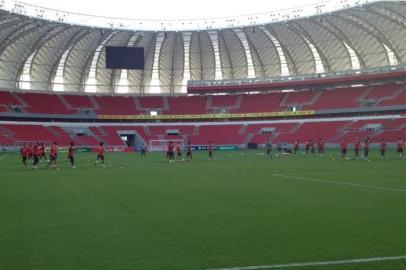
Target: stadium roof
[41, 52]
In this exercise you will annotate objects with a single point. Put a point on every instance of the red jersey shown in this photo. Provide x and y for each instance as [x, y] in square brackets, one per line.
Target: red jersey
[357, 145]
[54, 150]
[42, 149]
[24, 151]
[101, 151]
[70, 151]
[343, 145]
[36, 151]
[383, 145]
[296, 145]
[321, 145]
[170, 148]
[400, 144]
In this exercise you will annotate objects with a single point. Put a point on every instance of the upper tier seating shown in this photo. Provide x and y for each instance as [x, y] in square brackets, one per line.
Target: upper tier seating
[187, 105]
[116, 105]
[260, 103]
[227, 101]
[337, 99]
[343, 98]
[151, 103]
[79, 102]
[383, 91]
[44, 104]
[6, 98]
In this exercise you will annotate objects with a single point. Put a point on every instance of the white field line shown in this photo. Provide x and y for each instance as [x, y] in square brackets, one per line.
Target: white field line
[306, 264]
[337, 182]
[3, 157]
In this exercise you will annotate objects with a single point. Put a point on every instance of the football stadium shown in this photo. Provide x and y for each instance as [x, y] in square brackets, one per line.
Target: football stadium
[264, 140]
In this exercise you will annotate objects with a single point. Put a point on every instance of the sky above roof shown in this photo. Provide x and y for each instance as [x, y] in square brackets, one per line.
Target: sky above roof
[169, 9]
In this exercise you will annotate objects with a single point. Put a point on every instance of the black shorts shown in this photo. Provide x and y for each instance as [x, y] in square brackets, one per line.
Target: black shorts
[366, 152]
[268, 151]
[143, 152]
[382, 152]
[210, 153]
[52, 158]
[189, 154]
[25, 159]
[343, 151]
[100, 157]
[71, 159]
[35, 161]
[179, 154]
[400, 150]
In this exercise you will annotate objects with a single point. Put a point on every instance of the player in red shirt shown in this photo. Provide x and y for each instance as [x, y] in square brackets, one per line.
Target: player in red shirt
[357, 147]
[35, 154]
[343, 147]
[400, 145]
[211, 151]
[71, 157]
[295, 147]
[189, 151]
[170, 153]
[321, 146]
[366, 148]
[178, 150]
[100, 155]
[53, 155]
[30, 152]
[382, 147]
[24, 155]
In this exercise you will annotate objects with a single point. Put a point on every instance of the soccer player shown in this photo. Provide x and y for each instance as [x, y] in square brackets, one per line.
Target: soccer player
[366, 148]
[285, 147]
[53, 155]
[343, 147]
[189, 151]
[144, 150]
[357, 147]
[24, 155]
[178, 152]
[35, 155]
[295, 147]
[279, 148]
[42, 152]
[30, 152]
[269, 149]
[400, 145]
[100, 155]
[71, 157]
[312, 147]
[211, 151]
[382, 147]
[321, 146]
[307, 147]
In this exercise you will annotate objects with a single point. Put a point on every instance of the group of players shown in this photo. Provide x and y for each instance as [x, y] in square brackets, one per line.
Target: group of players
[172, 149]
[36, 153]
[311, 146]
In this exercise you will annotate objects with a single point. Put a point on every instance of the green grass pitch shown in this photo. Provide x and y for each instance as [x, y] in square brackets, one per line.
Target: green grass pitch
[239, 210]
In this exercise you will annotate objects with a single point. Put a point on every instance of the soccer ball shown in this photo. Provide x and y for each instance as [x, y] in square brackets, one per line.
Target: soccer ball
[183, 160]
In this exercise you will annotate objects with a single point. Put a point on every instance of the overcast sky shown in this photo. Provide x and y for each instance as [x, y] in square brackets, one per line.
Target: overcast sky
[169, 9]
